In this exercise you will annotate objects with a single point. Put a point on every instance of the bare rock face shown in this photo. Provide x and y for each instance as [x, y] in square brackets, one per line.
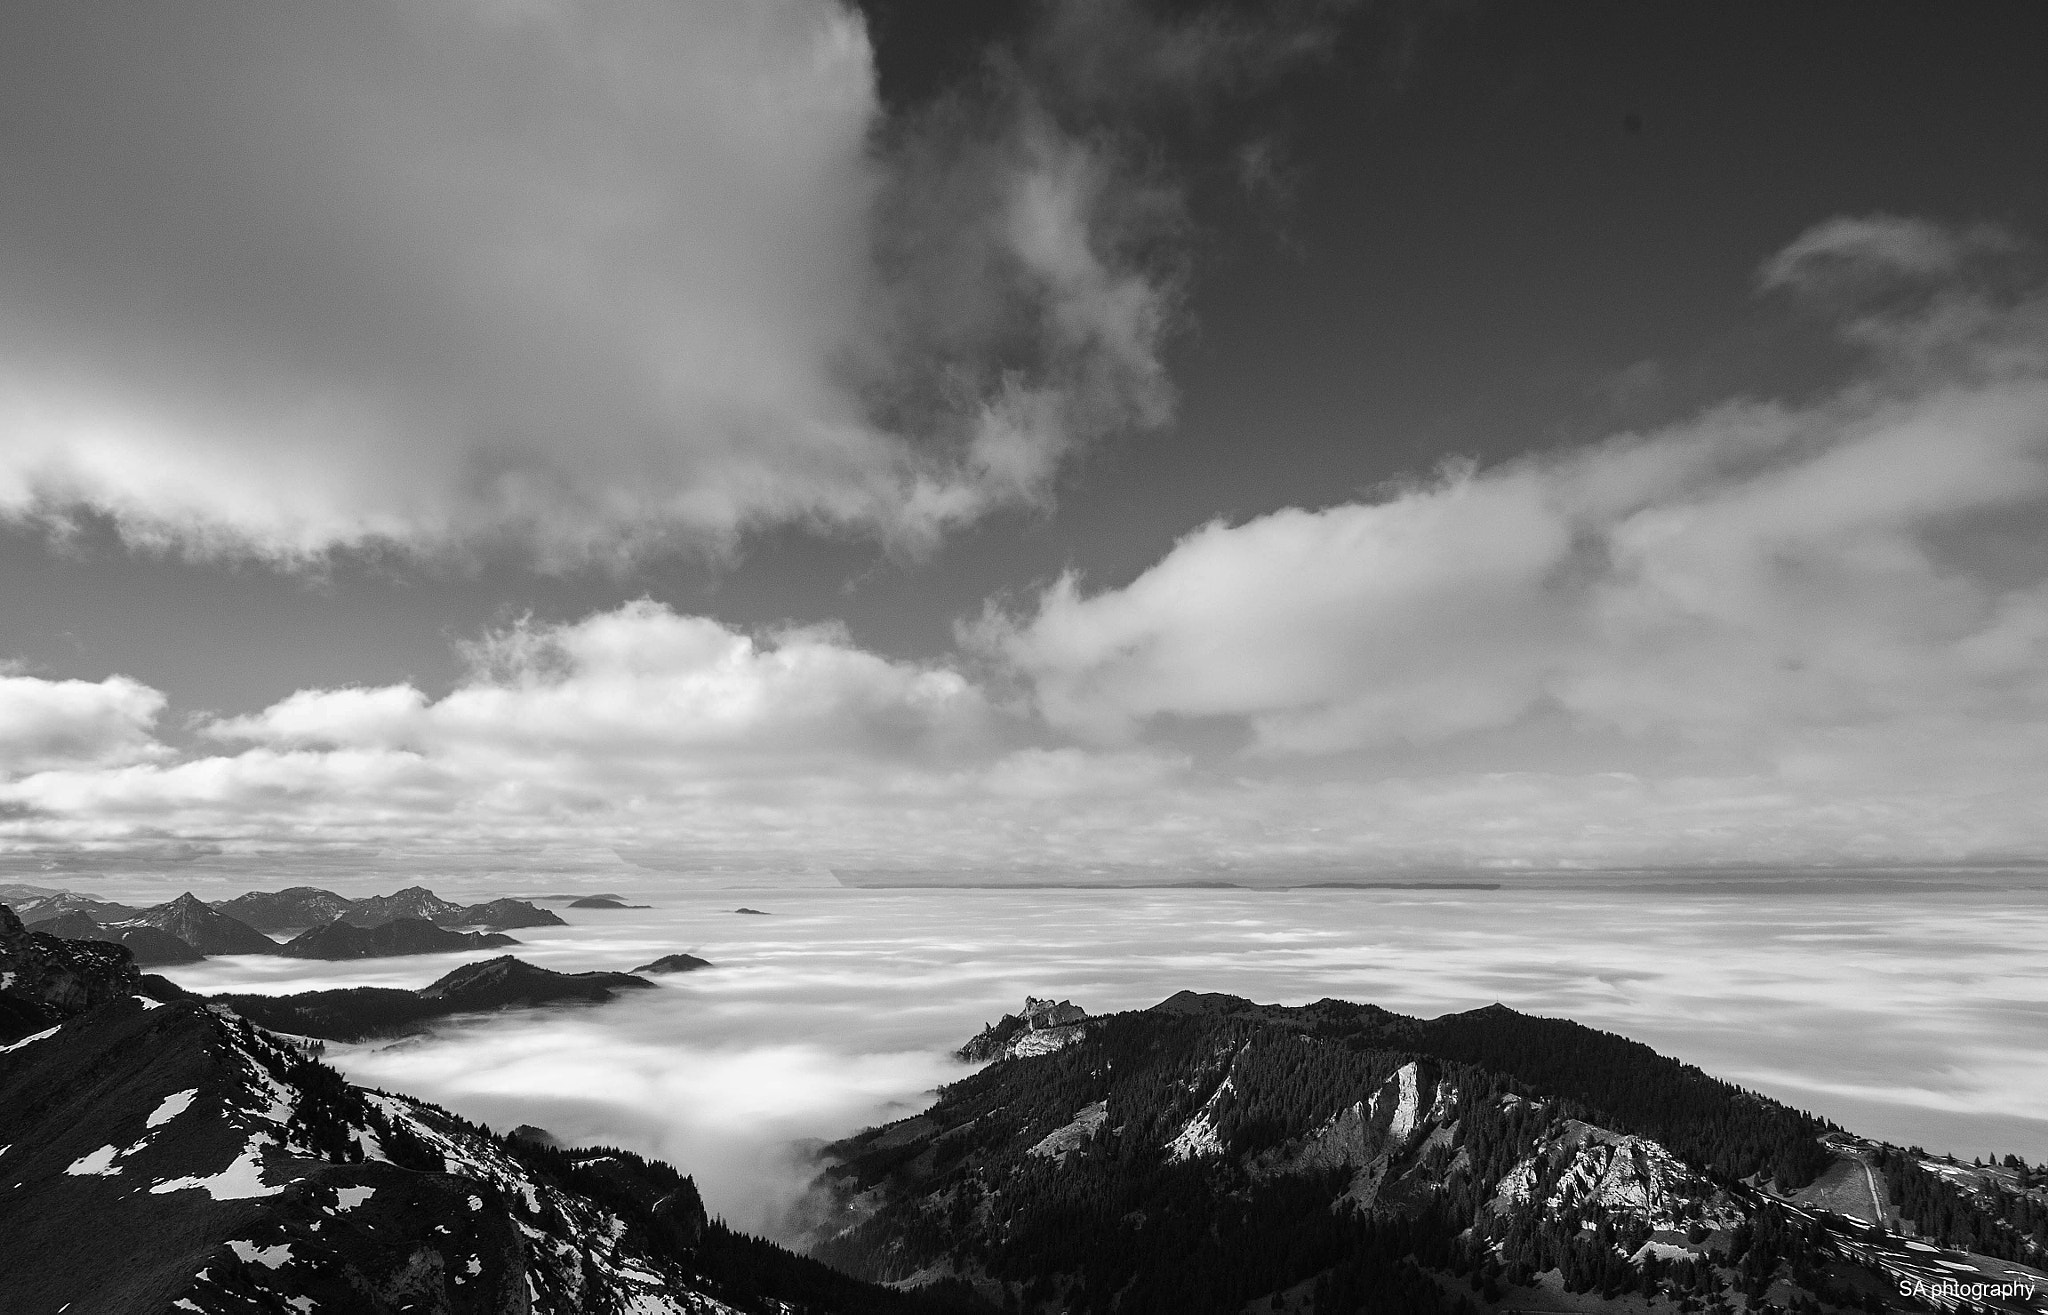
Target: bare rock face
[46, 979]
[1043, 1027]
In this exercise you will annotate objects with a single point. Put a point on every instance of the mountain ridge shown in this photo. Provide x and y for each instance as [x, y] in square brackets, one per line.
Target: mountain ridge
[241, 1175]
[1214, 1154]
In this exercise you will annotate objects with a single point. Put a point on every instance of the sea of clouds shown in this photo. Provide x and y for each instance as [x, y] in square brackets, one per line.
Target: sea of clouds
[1901, 1007]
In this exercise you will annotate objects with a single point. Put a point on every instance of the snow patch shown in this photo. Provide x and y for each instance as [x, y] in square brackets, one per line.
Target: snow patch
[43, 1035]
[348, 1198]
[476, 1266]
[148, 1003]
[100, 1162]
[240, 1181]
[173, 1105]
[476, 1203]
[268, 1257]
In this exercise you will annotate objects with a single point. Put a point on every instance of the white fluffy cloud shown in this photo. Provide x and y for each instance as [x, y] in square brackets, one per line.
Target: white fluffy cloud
[637, 728]
[593, 280]
[47, 724]
[1807, 631]
[1748, 588]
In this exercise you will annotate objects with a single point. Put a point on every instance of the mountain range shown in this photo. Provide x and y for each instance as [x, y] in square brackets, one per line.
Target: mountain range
[328, 926]
[1208, 1154]
[162, 1156]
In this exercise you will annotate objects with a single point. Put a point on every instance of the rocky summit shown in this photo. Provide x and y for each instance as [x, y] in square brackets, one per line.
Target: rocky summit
[1042, 1027]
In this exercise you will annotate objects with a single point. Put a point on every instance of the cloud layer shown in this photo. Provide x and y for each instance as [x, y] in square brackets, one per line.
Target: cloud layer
[433, 277]
[1800, 631]
[1792, 592]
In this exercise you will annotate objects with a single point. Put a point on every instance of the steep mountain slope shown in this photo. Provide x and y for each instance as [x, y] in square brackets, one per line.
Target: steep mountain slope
[1211, 1154]
[344, 940]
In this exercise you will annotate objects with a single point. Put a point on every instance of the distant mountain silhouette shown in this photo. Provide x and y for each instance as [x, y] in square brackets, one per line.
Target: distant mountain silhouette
[674, 963]
[343, 940]
[202, 927]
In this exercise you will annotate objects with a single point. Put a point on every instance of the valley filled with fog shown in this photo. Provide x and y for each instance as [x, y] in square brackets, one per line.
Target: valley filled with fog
[1903, 1008]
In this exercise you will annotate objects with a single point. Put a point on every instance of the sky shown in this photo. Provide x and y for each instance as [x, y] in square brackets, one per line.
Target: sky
[1123, 440]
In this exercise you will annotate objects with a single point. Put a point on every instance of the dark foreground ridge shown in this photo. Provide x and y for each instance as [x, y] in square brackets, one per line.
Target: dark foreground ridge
[1211, 1154]
[172, 1157]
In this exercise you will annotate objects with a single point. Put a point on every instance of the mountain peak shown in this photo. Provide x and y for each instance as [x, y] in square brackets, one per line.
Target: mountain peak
[1201, 1002]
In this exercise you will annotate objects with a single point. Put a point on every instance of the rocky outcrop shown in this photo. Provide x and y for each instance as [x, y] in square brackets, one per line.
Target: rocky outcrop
[1043, 1027]
[1063, 1141]
[344, 940]
[46, 979]
[1626, 1176]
